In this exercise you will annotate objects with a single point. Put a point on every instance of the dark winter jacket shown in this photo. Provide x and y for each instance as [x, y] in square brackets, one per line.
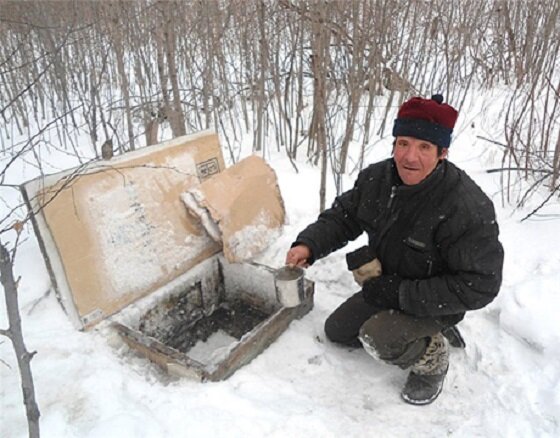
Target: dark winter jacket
[439, 236]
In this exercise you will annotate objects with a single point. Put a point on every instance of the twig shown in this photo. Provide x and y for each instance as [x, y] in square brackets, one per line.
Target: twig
[492, 141]
[84, 171]
[520, 169]
[6, 363]
[556, 91]
[30, 142]
[38, 300]
[533, 187]
[542, 204]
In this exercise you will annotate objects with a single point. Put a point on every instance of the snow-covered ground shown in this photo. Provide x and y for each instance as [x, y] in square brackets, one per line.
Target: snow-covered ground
[506, 382]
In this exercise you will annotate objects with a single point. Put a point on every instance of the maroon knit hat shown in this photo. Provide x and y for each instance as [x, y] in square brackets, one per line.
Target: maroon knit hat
[426, 119]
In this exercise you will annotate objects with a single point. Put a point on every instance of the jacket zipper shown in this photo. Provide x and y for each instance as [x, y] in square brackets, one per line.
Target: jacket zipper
[390, 218]
[430, 266]
[391, 197]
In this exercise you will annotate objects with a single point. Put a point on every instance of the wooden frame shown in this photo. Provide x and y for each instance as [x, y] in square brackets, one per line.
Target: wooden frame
[253, 282]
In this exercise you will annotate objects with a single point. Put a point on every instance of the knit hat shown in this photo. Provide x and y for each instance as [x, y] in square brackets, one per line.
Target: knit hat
[426, 119]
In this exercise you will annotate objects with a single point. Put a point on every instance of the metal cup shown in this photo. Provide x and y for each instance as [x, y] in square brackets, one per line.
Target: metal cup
[289, 285]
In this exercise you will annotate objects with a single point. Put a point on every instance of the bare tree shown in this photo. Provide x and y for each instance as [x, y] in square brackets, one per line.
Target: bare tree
[319, 44]
[15, 335]
[245, 68]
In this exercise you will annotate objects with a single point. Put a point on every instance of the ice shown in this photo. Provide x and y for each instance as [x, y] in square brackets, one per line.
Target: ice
[213, 350]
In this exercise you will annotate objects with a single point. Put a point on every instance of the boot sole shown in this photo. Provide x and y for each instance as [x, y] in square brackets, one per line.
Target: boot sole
[422, 402]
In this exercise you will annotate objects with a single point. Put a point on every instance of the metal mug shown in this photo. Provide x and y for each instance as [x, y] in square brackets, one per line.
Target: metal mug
[289, 285]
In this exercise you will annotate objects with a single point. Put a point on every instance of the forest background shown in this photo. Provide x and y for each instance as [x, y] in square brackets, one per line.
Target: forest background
[123, 71]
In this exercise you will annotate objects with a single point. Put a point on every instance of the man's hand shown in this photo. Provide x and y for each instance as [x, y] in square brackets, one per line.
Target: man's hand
[298, 256]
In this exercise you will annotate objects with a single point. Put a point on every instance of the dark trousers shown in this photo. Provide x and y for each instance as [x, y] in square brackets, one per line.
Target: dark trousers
[396, 338]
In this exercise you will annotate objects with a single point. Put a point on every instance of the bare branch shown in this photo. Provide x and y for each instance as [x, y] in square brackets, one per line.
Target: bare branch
[518, 169]
[543, 203]
[36, 302]
[5, 363]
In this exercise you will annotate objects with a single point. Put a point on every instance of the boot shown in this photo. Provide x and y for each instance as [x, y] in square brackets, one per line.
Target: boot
[425, 380]
[454, 337]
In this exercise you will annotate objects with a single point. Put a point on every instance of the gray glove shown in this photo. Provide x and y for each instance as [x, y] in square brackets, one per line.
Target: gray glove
[363, 264]
[365, 272]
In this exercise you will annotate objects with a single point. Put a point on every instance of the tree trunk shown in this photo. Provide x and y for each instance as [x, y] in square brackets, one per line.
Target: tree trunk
[263, 70]
[14, 333]
[125, 87]
[177, 118]
[319, 46]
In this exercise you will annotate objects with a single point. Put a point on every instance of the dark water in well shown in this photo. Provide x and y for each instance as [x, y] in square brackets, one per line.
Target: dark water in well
[236, 318]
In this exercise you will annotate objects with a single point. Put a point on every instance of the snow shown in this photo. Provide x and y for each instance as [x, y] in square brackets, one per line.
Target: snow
[125, 237]
[505, 383]
[193, 200]
[254, 237]
[136, 255]
[214, 349]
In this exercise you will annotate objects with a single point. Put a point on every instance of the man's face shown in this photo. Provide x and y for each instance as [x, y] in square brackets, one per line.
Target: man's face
[415, 159]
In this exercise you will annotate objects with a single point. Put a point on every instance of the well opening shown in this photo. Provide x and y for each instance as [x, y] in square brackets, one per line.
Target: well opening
[211, 322]
[182, 323]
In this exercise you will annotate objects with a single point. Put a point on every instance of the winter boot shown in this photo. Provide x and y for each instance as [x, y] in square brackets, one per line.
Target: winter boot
[454, 337]
[425, 379]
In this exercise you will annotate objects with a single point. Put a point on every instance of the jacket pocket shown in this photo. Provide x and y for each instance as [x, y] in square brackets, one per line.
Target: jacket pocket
[419, 258]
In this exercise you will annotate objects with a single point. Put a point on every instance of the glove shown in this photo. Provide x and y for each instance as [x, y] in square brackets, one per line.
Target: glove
[382, 291]
[367, 272]
[363, 264]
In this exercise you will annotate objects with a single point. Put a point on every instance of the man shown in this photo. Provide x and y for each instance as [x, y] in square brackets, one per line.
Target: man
[433, 250]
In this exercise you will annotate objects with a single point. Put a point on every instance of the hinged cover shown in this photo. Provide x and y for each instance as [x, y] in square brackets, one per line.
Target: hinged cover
[114, 231]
